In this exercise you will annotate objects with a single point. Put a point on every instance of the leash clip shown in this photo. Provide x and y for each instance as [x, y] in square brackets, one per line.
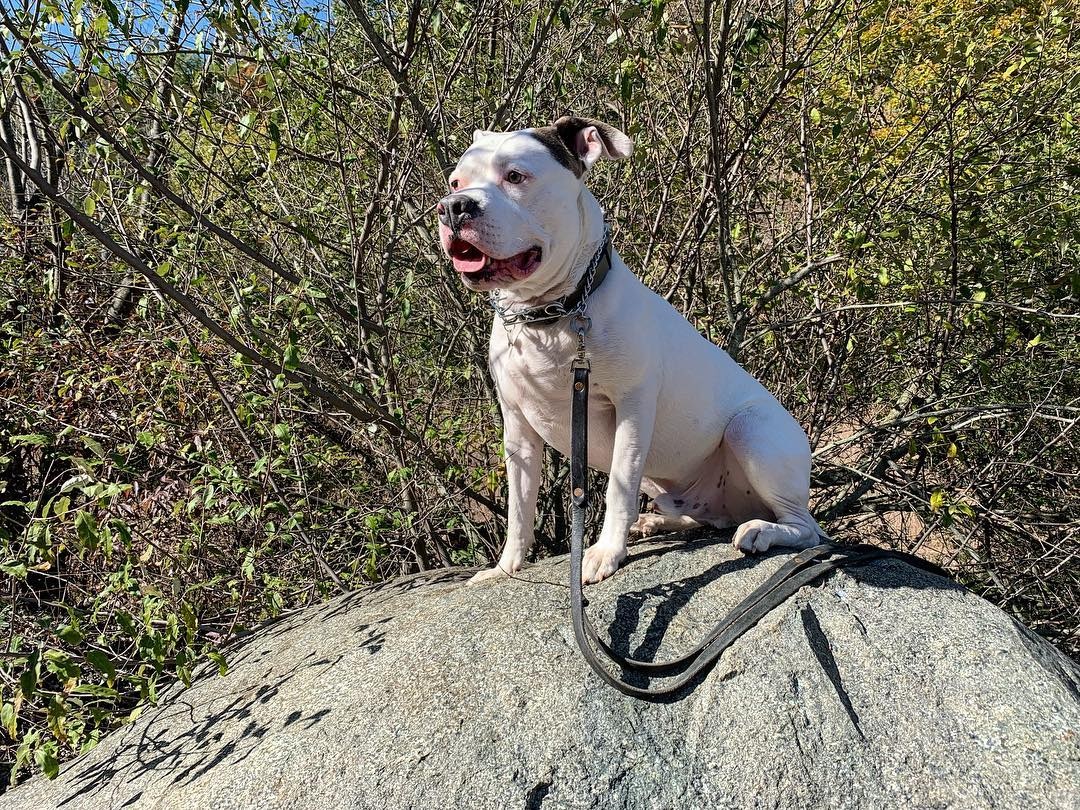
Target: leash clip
[581, 324]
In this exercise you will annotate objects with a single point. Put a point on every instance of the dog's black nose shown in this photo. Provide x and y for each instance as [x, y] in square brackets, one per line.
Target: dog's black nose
[457, 208]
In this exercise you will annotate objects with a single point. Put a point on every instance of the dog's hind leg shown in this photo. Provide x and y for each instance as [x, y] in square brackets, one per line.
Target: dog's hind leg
[772, 450]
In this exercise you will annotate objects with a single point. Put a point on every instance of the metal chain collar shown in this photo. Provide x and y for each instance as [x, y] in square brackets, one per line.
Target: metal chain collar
[556, 310]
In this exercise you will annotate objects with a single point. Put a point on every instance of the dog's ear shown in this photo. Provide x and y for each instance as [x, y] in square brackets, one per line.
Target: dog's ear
[590, 140]
[479, 135]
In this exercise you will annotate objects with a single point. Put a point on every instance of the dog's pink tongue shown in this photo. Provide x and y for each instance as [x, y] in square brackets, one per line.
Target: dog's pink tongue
[467, 264]
[467, 257]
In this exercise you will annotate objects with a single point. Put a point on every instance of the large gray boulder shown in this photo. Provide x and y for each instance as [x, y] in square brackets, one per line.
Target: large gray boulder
[883, 687]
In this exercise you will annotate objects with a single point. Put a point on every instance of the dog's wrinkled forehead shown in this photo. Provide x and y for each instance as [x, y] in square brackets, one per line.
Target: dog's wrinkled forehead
[571, 144]
[522, 150]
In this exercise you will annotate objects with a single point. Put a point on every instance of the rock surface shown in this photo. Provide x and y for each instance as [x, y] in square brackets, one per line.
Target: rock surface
[882, 687]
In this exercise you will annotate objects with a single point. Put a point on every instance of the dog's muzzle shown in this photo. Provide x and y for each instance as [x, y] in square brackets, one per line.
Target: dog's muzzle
[455, 209]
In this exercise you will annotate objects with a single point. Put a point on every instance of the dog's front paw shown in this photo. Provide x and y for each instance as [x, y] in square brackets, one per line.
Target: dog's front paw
[600, 562]
[502, 568]
[485, 575]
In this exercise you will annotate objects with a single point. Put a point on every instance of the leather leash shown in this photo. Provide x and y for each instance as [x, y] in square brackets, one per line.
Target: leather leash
[806, 567]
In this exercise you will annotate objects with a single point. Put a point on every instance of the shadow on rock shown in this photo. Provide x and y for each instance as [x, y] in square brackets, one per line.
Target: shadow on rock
[643, 617]
[212, 736]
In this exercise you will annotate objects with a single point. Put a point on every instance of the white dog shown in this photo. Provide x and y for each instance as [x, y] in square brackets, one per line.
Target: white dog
[669, 413]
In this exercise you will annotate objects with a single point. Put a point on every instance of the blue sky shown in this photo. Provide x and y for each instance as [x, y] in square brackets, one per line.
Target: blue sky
[149, 20]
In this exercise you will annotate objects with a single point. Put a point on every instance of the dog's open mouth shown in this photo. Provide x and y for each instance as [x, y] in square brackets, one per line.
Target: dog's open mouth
[472, 262]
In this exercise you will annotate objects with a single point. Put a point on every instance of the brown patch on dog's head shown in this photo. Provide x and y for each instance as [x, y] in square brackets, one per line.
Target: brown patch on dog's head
[573, 141]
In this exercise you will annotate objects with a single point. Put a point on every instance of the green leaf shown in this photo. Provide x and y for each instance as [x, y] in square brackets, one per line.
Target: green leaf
[219, 659]
[127, 624]
[28, 681]
[46, 760]
[70, 634]
[292, 357]
[247, 123]
[61, 665]
[111, 10]
[60, 505]
[31, 439]
[191, 621]
[937, 500]
[9, 720]
[96, 690]
[121, 528]
[87, 529]
[93, 445]
[302, 23]
[962, 509]
[100, 661]
[14, 569]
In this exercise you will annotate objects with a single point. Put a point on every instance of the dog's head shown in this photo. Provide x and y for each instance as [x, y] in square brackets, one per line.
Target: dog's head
[512, 216]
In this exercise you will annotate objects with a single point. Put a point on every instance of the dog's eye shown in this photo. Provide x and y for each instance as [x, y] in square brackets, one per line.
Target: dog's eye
[515, 177]
[454, 184]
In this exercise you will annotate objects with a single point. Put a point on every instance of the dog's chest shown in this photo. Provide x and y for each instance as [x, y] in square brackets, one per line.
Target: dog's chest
[534, 374]
[530, 367]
